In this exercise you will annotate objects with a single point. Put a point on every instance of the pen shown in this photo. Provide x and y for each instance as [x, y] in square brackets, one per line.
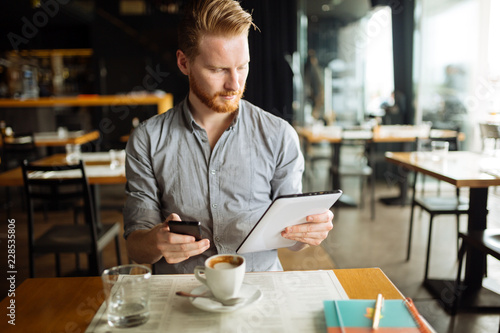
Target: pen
[422, 327]
[378, 309]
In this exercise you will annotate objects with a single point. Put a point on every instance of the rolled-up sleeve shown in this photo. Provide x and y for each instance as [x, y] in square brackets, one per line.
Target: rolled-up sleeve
[142, 207]
[287, 177]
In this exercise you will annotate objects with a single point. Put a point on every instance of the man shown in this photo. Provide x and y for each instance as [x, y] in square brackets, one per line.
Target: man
[214, 157]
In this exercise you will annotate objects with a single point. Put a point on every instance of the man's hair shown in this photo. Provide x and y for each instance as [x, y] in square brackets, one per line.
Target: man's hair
[211, 17]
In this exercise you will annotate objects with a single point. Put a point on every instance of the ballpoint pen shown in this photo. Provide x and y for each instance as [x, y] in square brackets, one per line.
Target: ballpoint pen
[422, 327]
[378, 308]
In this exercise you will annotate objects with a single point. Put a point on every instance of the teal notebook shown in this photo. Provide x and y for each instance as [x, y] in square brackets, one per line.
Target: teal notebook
[356, 316]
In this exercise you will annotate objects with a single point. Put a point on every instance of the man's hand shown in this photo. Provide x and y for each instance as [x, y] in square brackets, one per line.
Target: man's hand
[313, 232]
[176, 247]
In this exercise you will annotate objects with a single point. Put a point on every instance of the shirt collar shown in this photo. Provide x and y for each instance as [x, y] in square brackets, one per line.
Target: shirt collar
[191, 123]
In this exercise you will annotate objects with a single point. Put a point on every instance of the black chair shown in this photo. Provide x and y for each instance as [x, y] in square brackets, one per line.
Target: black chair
[71, 185]
[487, 241]
[436, 205]
[16, 149]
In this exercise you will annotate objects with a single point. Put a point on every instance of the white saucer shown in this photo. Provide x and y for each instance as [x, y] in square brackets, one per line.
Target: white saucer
[250, 292]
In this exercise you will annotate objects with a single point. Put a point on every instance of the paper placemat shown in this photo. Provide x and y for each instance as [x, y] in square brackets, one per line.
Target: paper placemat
[292, 302]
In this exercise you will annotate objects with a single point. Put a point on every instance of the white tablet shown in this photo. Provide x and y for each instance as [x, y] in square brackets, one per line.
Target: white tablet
[285, 211]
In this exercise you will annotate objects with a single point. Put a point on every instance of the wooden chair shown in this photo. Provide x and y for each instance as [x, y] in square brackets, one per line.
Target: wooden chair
[436, 205]
[487, 241]
[91, 238]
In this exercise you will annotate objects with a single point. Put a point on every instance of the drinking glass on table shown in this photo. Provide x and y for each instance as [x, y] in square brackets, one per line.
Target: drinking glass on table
[127, 295]
[73, 153]
[439, 149]
[117, 158]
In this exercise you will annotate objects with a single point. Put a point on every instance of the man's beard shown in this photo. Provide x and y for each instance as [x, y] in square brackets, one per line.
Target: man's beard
[214, 102]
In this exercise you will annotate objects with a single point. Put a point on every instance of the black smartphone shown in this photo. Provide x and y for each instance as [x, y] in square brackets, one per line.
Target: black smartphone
[191, 228]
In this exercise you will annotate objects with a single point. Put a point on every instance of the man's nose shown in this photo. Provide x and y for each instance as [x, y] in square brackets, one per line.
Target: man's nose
[232, 81]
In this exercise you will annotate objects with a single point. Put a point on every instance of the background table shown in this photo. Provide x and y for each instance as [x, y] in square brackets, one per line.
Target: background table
[336, 136]
[52, 139]
[163, 103]
[14, 177]
[461, 169]
[69, 304]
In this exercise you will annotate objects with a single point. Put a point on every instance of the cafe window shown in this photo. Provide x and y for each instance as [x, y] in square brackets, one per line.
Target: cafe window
[456, 69]
[379, 67]
[349, 67]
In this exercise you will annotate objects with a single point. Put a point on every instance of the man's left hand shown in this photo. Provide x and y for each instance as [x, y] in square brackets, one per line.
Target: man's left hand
[313, 232]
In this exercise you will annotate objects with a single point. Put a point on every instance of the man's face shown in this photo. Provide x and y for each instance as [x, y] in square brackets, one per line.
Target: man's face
[218, 74]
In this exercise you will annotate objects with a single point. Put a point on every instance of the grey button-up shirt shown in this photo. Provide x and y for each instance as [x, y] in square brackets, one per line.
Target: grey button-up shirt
[171, 168]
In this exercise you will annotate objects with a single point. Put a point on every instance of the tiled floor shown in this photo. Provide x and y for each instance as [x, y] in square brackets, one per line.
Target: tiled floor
[356, 241]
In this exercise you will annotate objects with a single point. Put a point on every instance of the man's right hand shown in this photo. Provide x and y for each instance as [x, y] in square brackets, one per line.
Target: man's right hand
[176, 248]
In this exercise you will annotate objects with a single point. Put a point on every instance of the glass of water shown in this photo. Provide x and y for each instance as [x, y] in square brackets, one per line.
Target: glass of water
[439, 149]
[73, 154]
[127, 295]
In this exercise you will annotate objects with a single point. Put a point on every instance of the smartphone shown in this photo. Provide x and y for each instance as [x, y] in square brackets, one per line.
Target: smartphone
[191, 228]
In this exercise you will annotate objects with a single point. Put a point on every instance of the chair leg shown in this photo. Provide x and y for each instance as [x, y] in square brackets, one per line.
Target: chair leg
[408, 251]
[427, 260]
[94, 264]
[458, 282]
[118, 252]
[32, 264]
[458, 231]
[77, 261]
[411, 218]
[361, 188]
[58, 264]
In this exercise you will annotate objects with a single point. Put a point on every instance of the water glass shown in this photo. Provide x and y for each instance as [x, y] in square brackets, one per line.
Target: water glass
[439, 149]
[73, 153]
[127, 295]
[117, 158]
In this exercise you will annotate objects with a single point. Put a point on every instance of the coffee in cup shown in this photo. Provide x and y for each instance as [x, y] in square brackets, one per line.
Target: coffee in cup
[223, 274]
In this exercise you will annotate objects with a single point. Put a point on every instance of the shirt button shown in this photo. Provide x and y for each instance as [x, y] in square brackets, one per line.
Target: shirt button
[214, 205]
[212, 172]
[217, 239]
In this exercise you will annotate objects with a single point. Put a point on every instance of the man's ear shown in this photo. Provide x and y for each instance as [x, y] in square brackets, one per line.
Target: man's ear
[182, 62]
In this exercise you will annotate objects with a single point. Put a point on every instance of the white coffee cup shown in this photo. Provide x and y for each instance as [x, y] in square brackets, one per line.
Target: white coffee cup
[223, 274]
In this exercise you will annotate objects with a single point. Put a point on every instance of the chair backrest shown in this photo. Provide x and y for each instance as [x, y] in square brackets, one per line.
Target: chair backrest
[17, 148]
[489, 131]
[58, 184]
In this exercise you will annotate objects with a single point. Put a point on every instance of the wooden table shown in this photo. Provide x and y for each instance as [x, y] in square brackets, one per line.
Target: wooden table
[69, 304]
[14, 177]
[461, 169]
[52, 139]
[336, 136]
[163, 103]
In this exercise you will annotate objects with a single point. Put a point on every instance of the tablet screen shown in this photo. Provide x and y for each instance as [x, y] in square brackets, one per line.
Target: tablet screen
[285, 211]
